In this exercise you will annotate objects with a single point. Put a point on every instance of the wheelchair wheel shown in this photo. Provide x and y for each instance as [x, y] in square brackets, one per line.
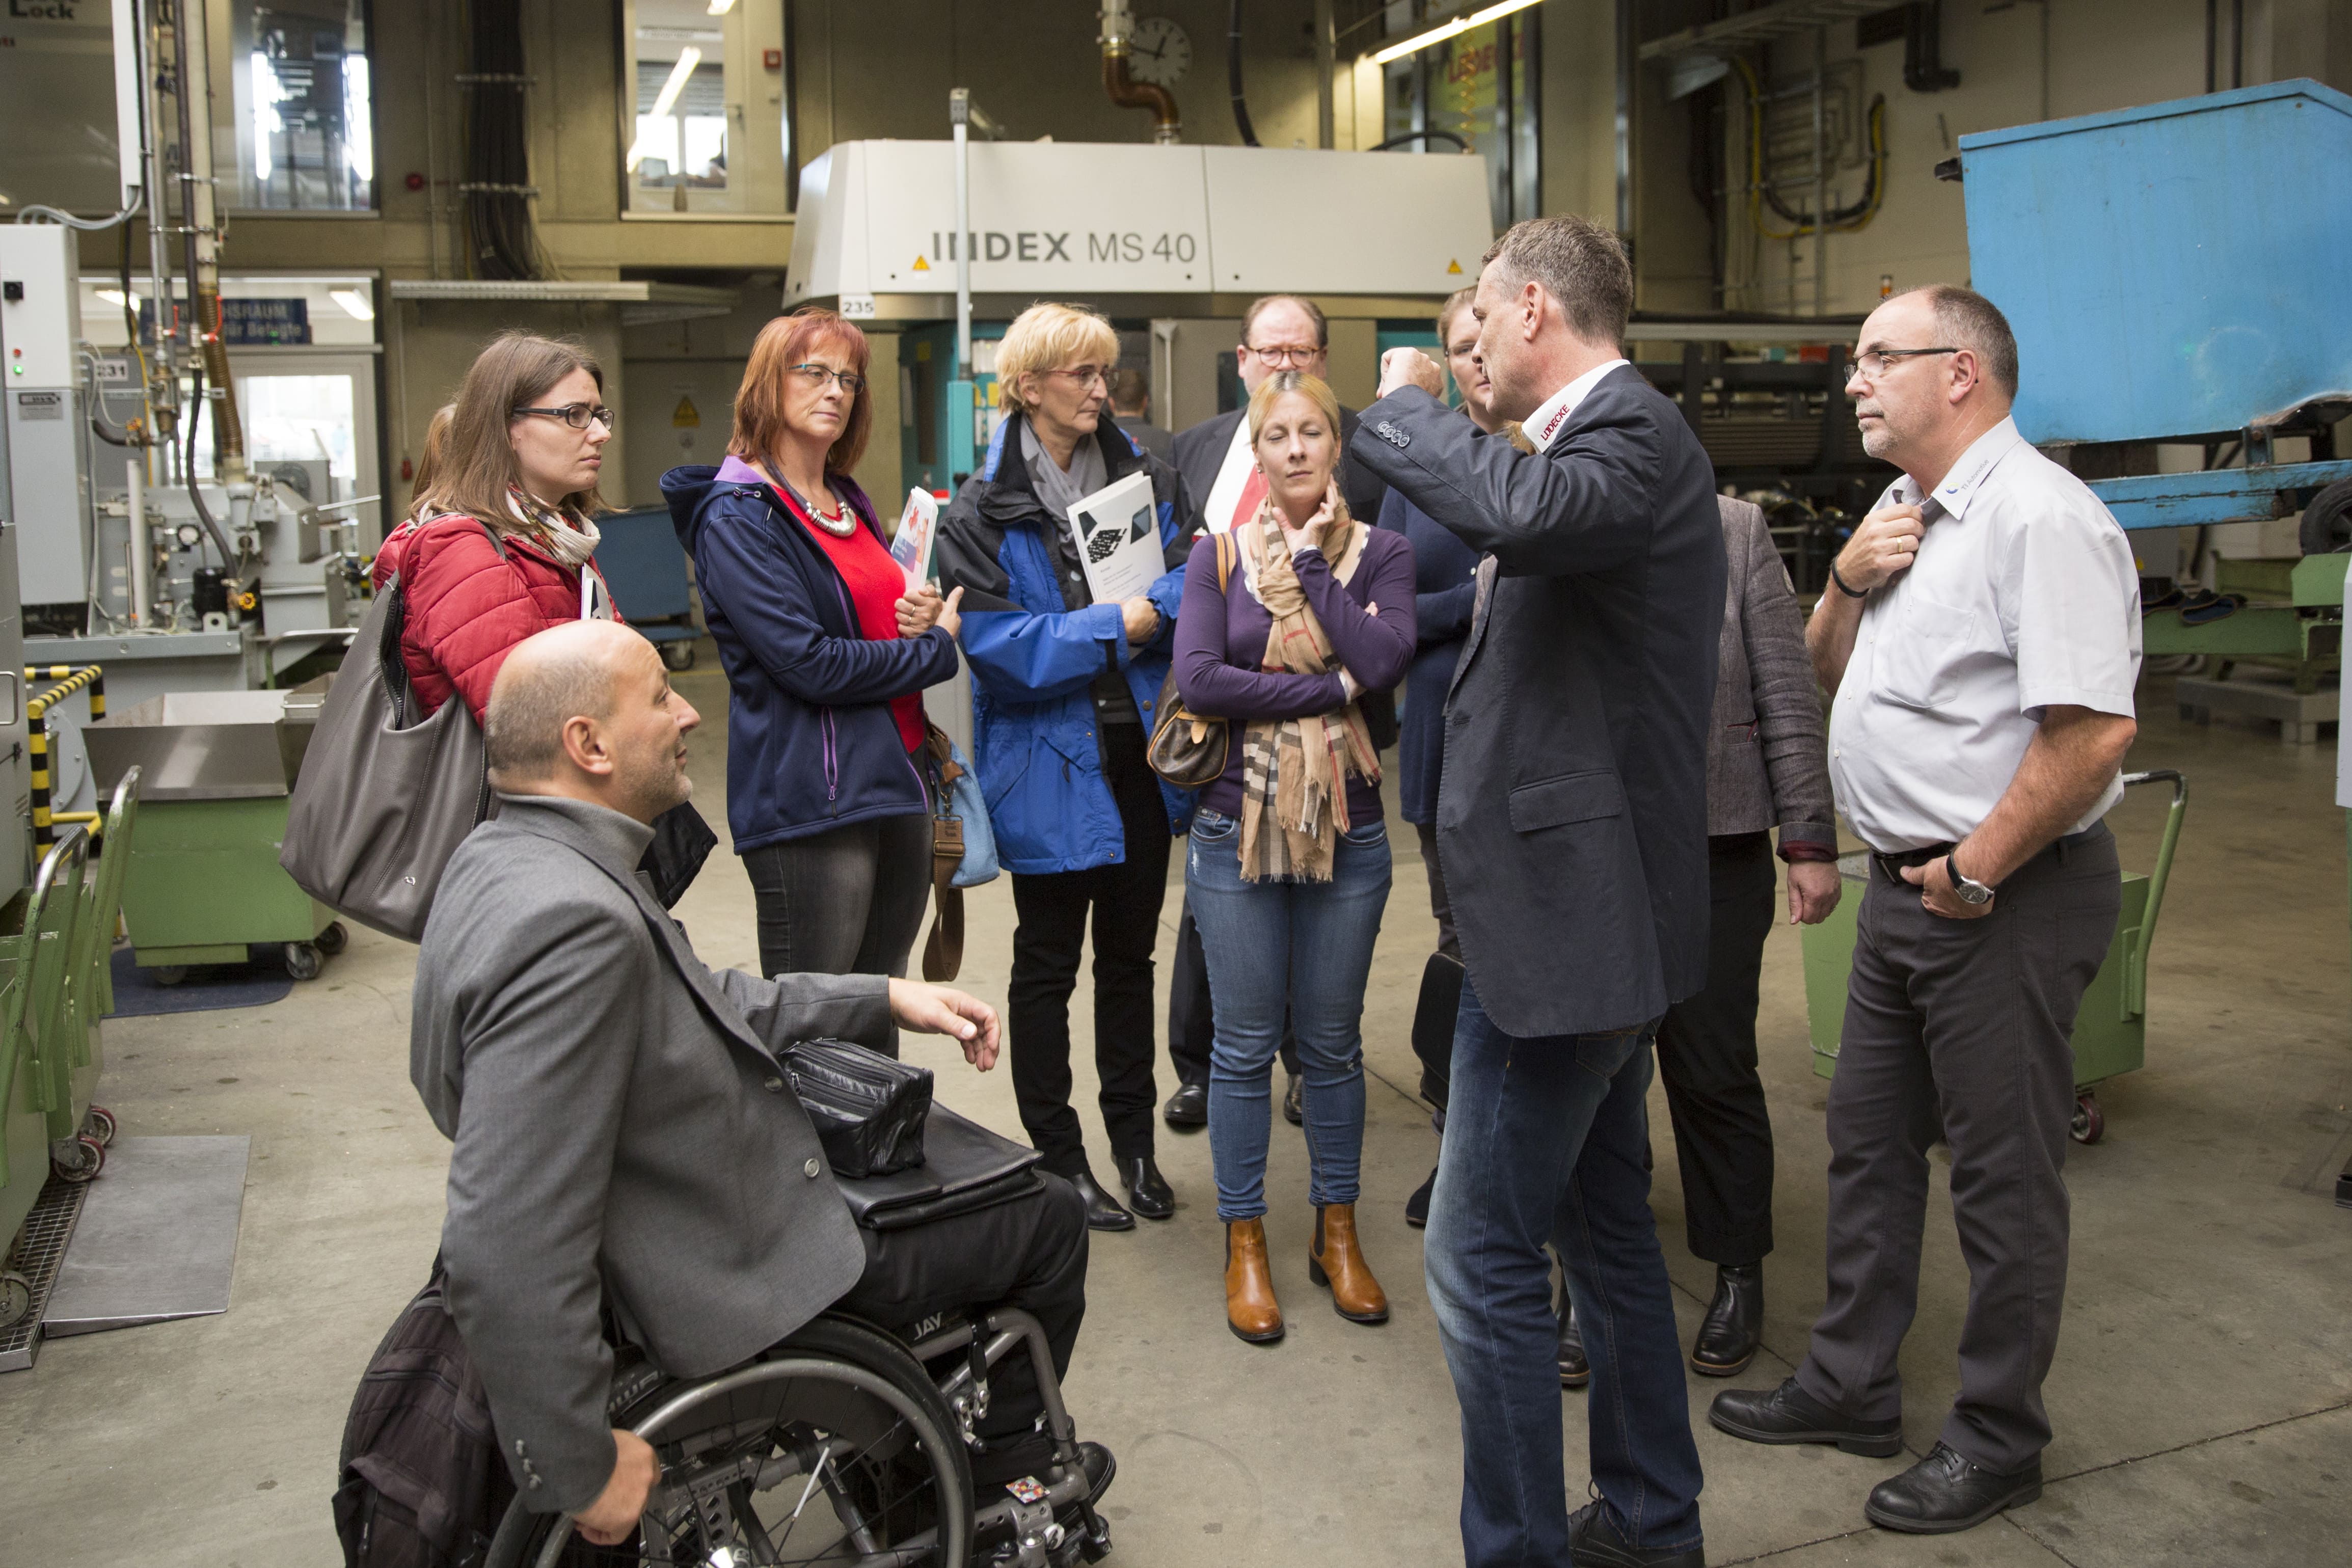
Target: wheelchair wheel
[833, 1449]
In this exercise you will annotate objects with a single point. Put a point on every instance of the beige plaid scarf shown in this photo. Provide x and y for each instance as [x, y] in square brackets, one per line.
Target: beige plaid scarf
[1293, 770]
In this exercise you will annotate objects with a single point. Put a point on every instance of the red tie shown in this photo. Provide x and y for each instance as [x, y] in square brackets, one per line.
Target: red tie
[1253, 497]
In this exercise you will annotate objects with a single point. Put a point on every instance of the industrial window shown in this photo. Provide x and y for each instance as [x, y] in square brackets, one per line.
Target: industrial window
[702, 107]
[301, 101]
[1480, 86]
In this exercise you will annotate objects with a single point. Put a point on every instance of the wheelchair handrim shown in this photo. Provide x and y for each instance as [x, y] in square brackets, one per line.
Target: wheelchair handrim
[925, 1546]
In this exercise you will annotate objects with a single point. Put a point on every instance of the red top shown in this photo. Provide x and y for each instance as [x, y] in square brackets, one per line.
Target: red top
[875, 585]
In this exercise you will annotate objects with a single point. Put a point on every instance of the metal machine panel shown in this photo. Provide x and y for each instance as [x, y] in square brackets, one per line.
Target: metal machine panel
[1437, 251]
[1064, 220]
[2171, 270]
[40, 321]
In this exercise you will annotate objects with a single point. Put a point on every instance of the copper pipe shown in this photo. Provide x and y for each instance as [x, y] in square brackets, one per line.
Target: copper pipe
[1128, 93]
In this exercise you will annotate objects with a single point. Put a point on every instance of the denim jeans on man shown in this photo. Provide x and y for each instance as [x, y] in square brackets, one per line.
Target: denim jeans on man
[1547, 1140]
[1304, 947]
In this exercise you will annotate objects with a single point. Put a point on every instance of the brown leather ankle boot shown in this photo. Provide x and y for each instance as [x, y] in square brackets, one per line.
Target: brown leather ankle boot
[1337, 1261]
[1250, 1308]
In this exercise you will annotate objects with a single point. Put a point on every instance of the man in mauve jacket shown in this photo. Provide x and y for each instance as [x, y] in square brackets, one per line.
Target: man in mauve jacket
[1571, 819]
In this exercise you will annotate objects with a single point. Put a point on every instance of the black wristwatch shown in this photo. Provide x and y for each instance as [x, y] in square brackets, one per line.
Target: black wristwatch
[1970, 892]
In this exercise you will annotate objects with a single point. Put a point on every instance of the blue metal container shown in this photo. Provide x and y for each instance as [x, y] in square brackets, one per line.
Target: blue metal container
[645, 565]
[2172, 270]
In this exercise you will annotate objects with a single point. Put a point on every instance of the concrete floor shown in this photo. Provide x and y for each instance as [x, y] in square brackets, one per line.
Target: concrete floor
[2202, 1393]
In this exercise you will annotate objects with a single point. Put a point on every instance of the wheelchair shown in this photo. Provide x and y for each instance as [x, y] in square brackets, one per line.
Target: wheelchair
[837, 1448]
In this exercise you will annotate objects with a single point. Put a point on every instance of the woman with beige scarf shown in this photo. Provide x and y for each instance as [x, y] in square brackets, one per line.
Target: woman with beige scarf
[1287, 868]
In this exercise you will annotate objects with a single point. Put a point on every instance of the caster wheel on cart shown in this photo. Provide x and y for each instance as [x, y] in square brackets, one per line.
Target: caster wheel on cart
[16, 1298]
[332, 940]
[302, 960]
[99, 1123]
[76, 1159]
[169, 973]
[2090, 1121]
[677, 655]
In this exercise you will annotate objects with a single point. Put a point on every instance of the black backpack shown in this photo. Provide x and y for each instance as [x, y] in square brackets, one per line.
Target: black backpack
[422, 1483]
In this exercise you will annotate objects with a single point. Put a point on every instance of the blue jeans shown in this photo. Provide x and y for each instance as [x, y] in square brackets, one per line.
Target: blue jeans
[1546, 1141]
[1303, 948]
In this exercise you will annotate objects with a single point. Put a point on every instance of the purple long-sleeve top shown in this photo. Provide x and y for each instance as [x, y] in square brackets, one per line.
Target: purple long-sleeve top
[1220, 642]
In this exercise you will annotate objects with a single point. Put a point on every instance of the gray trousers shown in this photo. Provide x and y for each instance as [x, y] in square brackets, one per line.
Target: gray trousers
[1960, 1029]
[846, 901]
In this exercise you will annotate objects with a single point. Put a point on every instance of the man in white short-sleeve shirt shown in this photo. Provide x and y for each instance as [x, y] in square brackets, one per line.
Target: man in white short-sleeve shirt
[1980, 639]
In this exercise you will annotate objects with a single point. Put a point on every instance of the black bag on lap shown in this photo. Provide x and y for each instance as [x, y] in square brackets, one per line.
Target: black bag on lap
[868, 1110]
[422, 1484]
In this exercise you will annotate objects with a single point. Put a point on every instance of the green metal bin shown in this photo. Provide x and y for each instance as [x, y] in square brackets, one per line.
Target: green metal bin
[203, 884]
[2110, 1029]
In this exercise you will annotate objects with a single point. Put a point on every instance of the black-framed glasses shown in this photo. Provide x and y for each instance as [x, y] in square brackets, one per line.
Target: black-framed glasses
[1283, 356]
[576, 414]
[818, 374]
[1873, 364]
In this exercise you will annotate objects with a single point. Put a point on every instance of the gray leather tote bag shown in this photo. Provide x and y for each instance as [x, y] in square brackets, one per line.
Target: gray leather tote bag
[382, 802]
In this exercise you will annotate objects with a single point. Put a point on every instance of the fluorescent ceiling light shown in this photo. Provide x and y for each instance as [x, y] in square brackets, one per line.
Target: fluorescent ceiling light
[687, 58]
[116, 298]
[721, 7]
[355, 304]
[1439, 34]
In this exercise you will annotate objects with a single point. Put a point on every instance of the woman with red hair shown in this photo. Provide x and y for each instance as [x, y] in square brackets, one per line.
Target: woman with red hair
[826, 654]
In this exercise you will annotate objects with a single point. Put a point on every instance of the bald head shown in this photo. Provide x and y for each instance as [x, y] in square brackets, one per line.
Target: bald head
[564, 672]
[584, 710]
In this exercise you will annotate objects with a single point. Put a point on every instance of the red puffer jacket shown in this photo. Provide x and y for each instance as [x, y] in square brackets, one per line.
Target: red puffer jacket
[465, 606]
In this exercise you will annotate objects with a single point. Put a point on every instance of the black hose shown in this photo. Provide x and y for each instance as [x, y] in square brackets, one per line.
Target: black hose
[1839, 218]
[1418, 136]
[1233, 77]
[188, 466]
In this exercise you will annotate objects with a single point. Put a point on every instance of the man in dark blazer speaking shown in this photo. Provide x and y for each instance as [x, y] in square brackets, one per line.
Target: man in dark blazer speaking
[1572, 819]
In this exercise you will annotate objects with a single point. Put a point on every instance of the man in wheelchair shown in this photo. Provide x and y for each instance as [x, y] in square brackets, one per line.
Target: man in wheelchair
[630, 1162]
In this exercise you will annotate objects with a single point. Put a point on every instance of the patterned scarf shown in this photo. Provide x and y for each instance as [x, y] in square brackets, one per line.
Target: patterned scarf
[1293, 770]
[567, 536]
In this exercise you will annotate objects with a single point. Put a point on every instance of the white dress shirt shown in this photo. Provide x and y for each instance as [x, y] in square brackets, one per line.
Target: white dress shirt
[2024, 595]
[1553, 412]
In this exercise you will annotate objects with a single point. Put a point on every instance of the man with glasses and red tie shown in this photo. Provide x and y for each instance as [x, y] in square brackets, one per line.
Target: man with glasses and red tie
[1279, 331]
[1980, 638]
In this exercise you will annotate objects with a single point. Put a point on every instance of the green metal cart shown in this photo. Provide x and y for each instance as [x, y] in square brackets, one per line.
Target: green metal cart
[204, 885]
[2110, 1030]
[55, 938]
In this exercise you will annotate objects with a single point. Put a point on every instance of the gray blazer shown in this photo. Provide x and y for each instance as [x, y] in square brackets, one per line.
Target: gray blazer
[623, 1134]
[1767, 761]
[1572, 814]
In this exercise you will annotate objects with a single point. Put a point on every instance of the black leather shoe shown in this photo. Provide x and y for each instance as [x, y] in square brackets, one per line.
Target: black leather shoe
[1416, 1207]
[1788, 1415]
[1294, 1101]
[1187, 1108]
[1575, 1371]
[1148, 1192]
[1945, 1492]
[1593, 1542]
[1735, 1321]
[1103, 1211]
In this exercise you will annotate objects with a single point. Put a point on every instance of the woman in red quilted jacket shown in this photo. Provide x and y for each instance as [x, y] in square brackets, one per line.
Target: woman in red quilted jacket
[520, 459]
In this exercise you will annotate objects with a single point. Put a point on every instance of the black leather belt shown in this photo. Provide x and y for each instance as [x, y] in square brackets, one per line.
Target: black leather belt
[1893, 863]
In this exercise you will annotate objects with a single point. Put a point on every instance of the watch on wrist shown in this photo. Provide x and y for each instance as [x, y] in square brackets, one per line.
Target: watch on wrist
[1970, 892]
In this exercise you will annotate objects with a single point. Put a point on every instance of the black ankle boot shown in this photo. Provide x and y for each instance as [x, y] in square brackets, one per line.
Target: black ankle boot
[1734, 1325]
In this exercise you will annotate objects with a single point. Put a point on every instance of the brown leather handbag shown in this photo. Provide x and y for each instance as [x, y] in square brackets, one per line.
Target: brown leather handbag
[1189, 748]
